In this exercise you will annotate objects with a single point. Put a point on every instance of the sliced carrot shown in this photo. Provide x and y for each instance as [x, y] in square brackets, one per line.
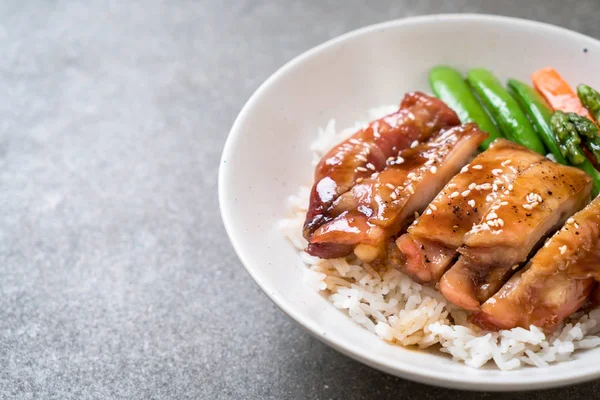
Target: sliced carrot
[557, 92]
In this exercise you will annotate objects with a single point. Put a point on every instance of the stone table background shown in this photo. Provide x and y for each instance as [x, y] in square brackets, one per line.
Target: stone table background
[116, 277]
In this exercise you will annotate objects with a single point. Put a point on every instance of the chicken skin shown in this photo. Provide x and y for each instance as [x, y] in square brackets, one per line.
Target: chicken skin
[555, 283]
[366, 152]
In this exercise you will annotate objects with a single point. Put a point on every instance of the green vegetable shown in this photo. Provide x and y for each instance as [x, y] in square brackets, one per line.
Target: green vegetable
[590, 99]
[504, 109]
[449, 86]
[567, 137]
[539, 113]
[588, 132]
[565, 127]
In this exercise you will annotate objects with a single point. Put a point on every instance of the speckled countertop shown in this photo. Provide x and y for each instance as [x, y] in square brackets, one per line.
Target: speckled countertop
[116, 277]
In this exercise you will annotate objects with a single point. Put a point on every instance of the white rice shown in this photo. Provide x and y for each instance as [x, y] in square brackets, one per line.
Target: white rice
[401, 311]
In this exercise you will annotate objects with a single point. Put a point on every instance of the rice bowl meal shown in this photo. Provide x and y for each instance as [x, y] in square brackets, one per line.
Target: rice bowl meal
[466, 221]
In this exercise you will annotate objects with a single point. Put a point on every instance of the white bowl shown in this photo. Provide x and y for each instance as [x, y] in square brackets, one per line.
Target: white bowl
[267, 157]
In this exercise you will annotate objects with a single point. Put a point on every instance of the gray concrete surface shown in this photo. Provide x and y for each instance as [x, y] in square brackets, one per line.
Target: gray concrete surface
[116, 277]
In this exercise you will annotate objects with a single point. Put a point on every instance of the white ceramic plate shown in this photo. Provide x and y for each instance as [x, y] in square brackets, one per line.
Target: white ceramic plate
[267, 157]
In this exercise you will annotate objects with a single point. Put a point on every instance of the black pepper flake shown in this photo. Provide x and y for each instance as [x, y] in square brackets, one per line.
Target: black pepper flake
[549, 192]
[585, 50]
[527, 215]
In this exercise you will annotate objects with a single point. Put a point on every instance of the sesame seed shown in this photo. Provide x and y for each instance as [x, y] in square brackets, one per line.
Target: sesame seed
[451, 185]
[495, 187]
[486, 186]
[393, 195]
[464, 169]
[489, 198]
[506, 192]
[428, 212]
[563, 249]
[371, 166]
[414, 144]
[361, 169]
[510, 186]
[392, 158]
[359, 180]
[354, 141]
[496, 208]
[500, 221]
[410, 189]
[527, 206]
[433, 207]
[477, 166]
[465, 193]
[576, 225]
[491, 223]
[498, 182]
[547, 243]
[453, 195]
[416, 215]
[433, 169]
[399, 160]
[504, 203]
[411, 176]
[472, 186]
[496, 171]
[471, 203]
[361, 158]
[505, 163]
[491, 215]
[390, 186]
[570, 220]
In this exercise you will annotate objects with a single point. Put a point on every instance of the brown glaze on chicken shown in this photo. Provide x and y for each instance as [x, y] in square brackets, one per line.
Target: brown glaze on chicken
[378, 207]
[537, 203]
[555, 283]
[430, 245]
[420, 116]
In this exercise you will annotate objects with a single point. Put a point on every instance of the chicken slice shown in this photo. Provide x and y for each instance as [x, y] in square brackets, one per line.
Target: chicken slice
[555, 283]
[536, 204]
[432, 240]
[419, 117]
[378, 207]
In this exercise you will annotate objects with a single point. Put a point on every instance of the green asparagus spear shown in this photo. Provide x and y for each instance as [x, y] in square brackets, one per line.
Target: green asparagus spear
[569, 144]
[590, 99]
[588, 132]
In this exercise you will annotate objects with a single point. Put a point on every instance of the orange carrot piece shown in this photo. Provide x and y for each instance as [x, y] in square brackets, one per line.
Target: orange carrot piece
[557, 92]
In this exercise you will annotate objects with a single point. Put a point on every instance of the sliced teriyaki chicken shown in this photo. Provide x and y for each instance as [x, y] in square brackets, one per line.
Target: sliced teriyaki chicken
[536, 204]
[431, 244]
[555, 283]
[378, 207]
[419, 117]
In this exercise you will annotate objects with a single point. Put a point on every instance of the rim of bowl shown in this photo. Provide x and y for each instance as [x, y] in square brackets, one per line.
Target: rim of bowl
[499, 381]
